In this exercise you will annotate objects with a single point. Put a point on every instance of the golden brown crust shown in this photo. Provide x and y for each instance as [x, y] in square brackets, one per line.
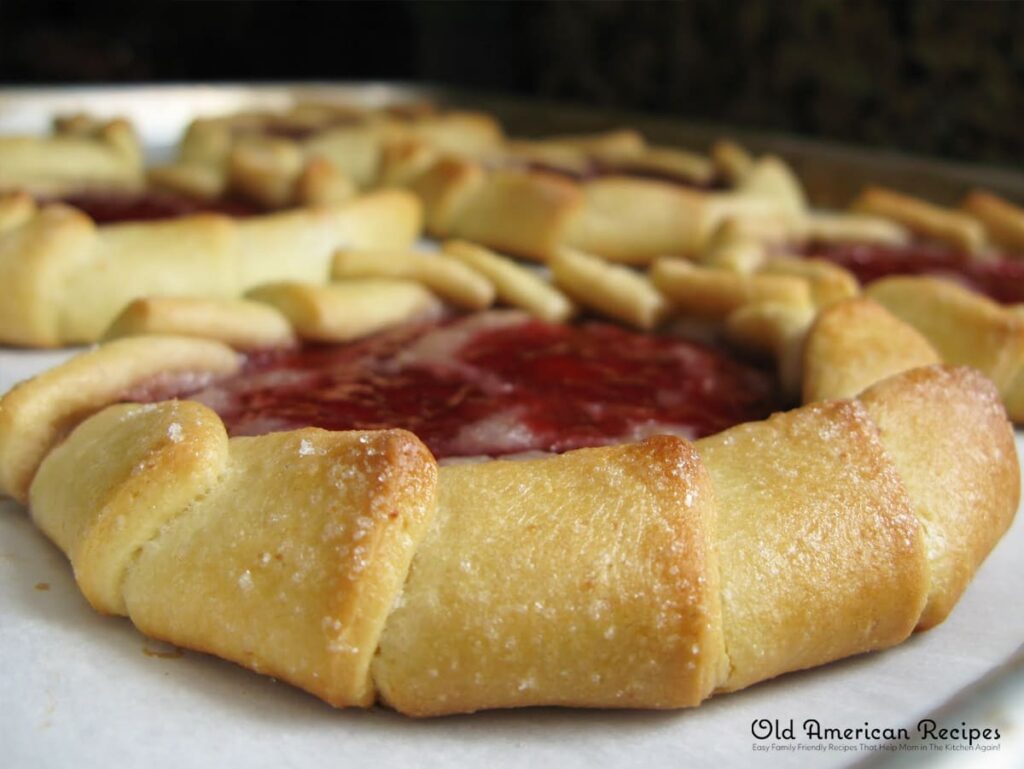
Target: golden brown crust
[441, 273]
[805, 500]
[496, 614]
[965, 328]
[36, 254]
[284, 552]
[953, 227]
[156, 461]
[15, 209]
[678, 165]
[525, 214]
[948, 437]
[458, 131]
[615, 291]
[775, 330]
[265, 169]
[634, 220]
[840, 227]
[193, 180]
[695, 567]
[192, 256]
[70, 278]
[1003, 221]
[731, 160]
[320, 153]
[828, 282]
[81, 154]
[715, 293]
[321, 184]
[238, 323]
[770, 178]
[291, 562]
[621, 215]
[35, 414]
[733, 247]
[854, 344]
[620, 143]
[774, 546]
[513, 284]
[341, 312]
[444, 187]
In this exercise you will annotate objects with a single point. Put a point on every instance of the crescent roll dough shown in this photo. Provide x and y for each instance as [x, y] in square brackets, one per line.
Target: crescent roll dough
[181, 532]
[644, 575]
[820, 552]
[69, 278]
[39, 412]
[81, 154]
[585, 579]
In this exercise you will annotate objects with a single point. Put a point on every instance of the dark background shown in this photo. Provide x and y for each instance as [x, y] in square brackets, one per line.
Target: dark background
[939, 78]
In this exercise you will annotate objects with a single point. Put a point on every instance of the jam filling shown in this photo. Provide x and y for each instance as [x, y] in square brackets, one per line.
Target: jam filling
[110, 207]
[1001, 277]
[498, 383]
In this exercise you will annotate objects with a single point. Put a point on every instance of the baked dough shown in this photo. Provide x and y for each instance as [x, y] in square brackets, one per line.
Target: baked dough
[584, 579]
[1003, 221]
[312, 154]
[646, 575]
[444, 275]
[36, 414]
[295, 581]
[69, 278]
[966, 328]
[956, 228]
[81, 154]
[856, 343]
[532, 213]
[238, 323]
[342, 312]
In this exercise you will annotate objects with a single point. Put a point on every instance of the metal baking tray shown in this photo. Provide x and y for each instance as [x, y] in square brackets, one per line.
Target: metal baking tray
[77, 686]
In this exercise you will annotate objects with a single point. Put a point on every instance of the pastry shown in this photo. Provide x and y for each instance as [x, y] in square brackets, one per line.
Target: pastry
[82, 154]
[610, 195]
[646, 574]
[310, 533]
[69, 278]
[317, 452]
[313, 153]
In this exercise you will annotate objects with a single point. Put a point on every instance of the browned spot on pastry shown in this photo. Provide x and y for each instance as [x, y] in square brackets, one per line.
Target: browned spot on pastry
[42, 586]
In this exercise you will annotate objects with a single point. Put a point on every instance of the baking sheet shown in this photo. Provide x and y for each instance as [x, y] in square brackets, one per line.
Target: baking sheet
[82, 689]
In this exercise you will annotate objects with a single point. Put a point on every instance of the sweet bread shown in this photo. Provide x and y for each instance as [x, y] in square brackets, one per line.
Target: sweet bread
[291, 436]
[69, 278]
[313, 154]
[649, 575]
[82, 154]
[598, 194]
